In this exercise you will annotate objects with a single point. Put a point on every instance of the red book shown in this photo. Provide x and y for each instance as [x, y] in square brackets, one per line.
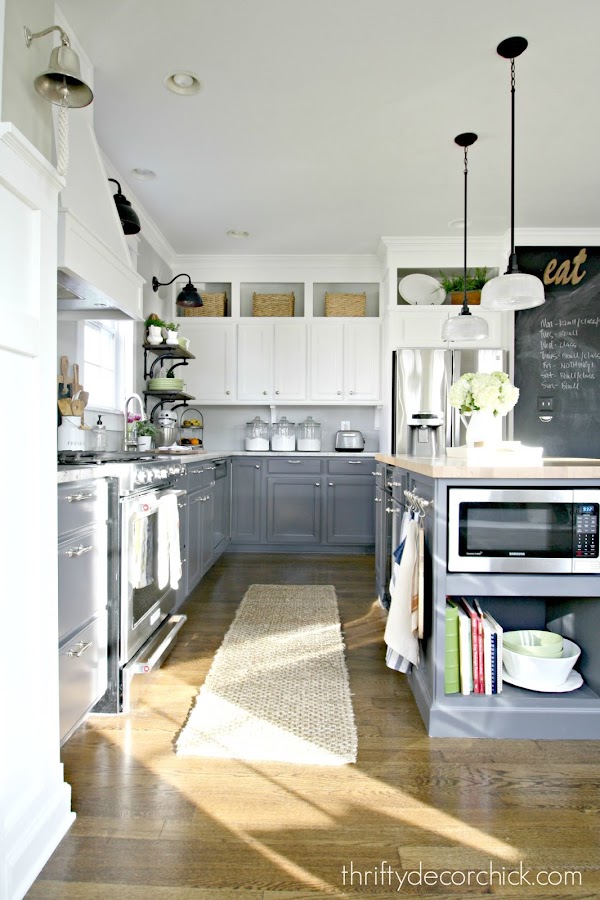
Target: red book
[480, 634]
[478, 679]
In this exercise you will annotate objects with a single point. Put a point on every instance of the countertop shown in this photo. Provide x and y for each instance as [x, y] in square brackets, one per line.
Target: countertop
[66, 474]
[452, 467]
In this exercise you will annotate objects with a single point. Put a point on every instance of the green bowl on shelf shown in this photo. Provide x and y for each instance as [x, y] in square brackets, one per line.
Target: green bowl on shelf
[530, 642]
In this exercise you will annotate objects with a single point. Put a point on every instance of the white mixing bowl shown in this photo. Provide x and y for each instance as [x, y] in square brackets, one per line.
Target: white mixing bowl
[540, 670]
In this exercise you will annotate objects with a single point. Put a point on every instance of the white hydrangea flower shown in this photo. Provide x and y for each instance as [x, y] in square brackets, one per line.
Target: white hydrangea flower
[492, 392]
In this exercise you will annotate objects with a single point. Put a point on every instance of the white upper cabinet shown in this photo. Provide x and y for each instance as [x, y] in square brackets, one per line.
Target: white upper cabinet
[211, 375]
[271, 361]
[421, 326]
[345, 361]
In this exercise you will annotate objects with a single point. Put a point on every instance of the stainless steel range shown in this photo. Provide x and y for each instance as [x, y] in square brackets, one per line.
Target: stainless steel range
[141, 565]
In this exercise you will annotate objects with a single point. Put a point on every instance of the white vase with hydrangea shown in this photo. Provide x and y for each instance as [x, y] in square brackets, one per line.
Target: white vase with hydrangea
[485, 398]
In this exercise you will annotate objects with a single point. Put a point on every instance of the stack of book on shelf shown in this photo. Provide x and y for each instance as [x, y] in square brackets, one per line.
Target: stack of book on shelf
[473, 659]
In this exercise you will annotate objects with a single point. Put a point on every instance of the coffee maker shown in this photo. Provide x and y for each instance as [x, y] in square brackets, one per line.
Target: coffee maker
[426, 434]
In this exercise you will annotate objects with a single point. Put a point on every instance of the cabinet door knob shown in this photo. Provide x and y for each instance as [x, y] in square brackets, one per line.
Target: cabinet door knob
[257, 466]
[351, 392]
[317, 484]
[331, 484]
[227, 392]
[265, 393]
[275, 392]
[339, 392]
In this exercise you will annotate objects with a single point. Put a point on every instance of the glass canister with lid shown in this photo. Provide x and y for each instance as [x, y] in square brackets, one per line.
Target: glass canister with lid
[309, 435]
[257, 434]
[283, 435]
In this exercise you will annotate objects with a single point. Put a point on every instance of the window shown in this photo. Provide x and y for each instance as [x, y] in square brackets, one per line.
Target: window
[104, 353]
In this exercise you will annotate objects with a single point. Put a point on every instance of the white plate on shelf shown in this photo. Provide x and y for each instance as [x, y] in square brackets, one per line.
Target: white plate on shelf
[573, 682]
[421, 290]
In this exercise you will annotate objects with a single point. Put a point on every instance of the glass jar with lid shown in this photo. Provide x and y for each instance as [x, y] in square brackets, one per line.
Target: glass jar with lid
[257, 434]
[283, 435]
[309, 435]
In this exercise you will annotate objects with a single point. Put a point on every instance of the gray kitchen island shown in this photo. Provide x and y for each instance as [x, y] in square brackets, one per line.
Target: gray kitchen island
[552, 598]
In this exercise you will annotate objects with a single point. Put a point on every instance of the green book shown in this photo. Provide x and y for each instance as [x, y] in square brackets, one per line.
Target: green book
[452, 657]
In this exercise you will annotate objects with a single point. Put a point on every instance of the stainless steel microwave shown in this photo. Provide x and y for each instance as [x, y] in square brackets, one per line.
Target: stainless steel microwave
[552, 531]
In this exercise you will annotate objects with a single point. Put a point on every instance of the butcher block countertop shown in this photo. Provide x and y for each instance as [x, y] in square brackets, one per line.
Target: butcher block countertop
[452, 467]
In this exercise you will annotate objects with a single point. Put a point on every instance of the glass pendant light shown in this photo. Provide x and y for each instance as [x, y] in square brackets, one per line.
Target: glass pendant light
[514, 289]
[464, 326]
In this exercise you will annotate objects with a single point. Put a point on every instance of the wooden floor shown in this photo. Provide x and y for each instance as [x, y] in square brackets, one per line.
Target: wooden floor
[153, 825]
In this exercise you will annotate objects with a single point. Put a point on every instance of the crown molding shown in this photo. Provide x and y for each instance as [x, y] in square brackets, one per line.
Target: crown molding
[366, 262]
[553, 237]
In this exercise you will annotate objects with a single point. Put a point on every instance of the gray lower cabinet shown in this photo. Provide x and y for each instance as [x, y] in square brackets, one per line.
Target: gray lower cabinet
[222, 506]
[194, 538]
[246, 492]
[350, 509]
[294, 509]
[306, 502]
[82, 599]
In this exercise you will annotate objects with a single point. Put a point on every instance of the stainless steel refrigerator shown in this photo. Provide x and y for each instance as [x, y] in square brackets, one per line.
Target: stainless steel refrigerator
[421, 379]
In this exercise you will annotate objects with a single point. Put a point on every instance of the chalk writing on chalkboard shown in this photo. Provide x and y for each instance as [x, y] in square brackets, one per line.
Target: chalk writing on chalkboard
[557, 353]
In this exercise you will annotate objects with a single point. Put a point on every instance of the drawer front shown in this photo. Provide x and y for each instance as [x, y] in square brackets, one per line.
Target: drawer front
[363, 466]
[81, 503]
[199, 474]
[82, 665]
[291, 465]
[82, 578]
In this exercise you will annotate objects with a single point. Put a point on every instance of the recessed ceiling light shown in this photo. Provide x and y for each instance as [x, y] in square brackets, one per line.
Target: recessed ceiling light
[182, 83]
[237, 233]
[143, 174]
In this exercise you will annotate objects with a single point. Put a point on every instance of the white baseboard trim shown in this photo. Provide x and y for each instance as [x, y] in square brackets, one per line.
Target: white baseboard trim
[26, 851]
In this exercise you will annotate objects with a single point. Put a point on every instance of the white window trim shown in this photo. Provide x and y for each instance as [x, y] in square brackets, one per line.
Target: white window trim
[124, 368]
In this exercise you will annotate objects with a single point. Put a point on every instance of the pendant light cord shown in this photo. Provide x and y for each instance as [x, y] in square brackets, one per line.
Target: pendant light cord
[465, 311]
[512, 260]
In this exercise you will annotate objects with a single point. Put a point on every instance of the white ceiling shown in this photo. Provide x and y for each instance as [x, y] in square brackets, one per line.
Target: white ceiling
[325, 124]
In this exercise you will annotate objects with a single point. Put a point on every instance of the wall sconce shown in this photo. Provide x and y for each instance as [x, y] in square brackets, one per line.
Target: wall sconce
[128, 216]
[61, 83]
[189, 296]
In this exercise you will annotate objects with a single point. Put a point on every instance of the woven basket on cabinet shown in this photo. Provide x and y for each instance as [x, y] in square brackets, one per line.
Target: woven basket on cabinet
[273, 304]
[214, 305]
[345, 304]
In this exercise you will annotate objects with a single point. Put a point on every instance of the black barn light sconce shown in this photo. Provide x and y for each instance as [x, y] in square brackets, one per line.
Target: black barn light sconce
[189, 296]
[127, 215]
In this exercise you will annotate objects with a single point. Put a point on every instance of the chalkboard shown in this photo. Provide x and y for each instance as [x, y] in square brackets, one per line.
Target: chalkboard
[557, 353]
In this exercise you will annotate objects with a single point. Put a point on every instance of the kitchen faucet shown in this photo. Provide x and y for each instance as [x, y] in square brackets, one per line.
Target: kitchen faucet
[129, 442]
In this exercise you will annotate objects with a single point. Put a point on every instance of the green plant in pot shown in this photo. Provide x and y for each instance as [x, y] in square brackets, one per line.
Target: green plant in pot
[455, 285]
[154, 326]
[172, 329]
[145, 431]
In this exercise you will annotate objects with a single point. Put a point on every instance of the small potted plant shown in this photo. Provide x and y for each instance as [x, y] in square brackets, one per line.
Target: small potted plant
[172, 329]
[455, 285]
[145, 432]
[154, 326]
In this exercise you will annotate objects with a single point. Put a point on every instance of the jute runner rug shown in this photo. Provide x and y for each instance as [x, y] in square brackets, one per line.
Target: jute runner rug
[278, 686]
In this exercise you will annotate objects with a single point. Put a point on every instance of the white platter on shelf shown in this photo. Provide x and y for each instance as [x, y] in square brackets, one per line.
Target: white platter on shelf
[573, 682]
[421, 290]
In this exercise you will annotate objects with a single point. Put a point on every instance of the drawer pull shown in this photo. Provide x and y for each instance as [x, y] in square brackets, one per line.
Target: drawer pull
[82, 647]
[392, 510]
[211, 467]
[256, 466]
[331, 484]
[395, 484]
[357, 462]
[294, 462]
[317, 484]
[377, 499]
[78, 551]
[76, 498]
[373, 473]
[196, 471]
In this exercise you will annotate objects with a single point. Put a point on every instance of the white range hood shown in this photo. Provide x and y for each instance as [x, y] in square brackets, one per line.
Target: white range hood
[96, 278]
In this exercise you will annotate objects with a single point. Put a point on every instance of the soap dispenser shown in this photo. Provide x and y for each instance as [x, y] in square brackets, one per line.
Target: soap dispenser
[99, 436]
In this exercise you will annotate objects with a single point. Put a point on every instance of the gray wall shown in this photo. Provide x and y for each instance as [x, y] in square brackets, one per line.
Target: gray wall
[21, 104]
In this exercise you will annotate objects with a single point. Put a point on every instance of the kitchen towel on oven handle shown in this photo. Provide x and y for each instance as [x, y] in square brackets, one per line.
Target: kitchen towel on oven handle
[169, 552]
[401, 631]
